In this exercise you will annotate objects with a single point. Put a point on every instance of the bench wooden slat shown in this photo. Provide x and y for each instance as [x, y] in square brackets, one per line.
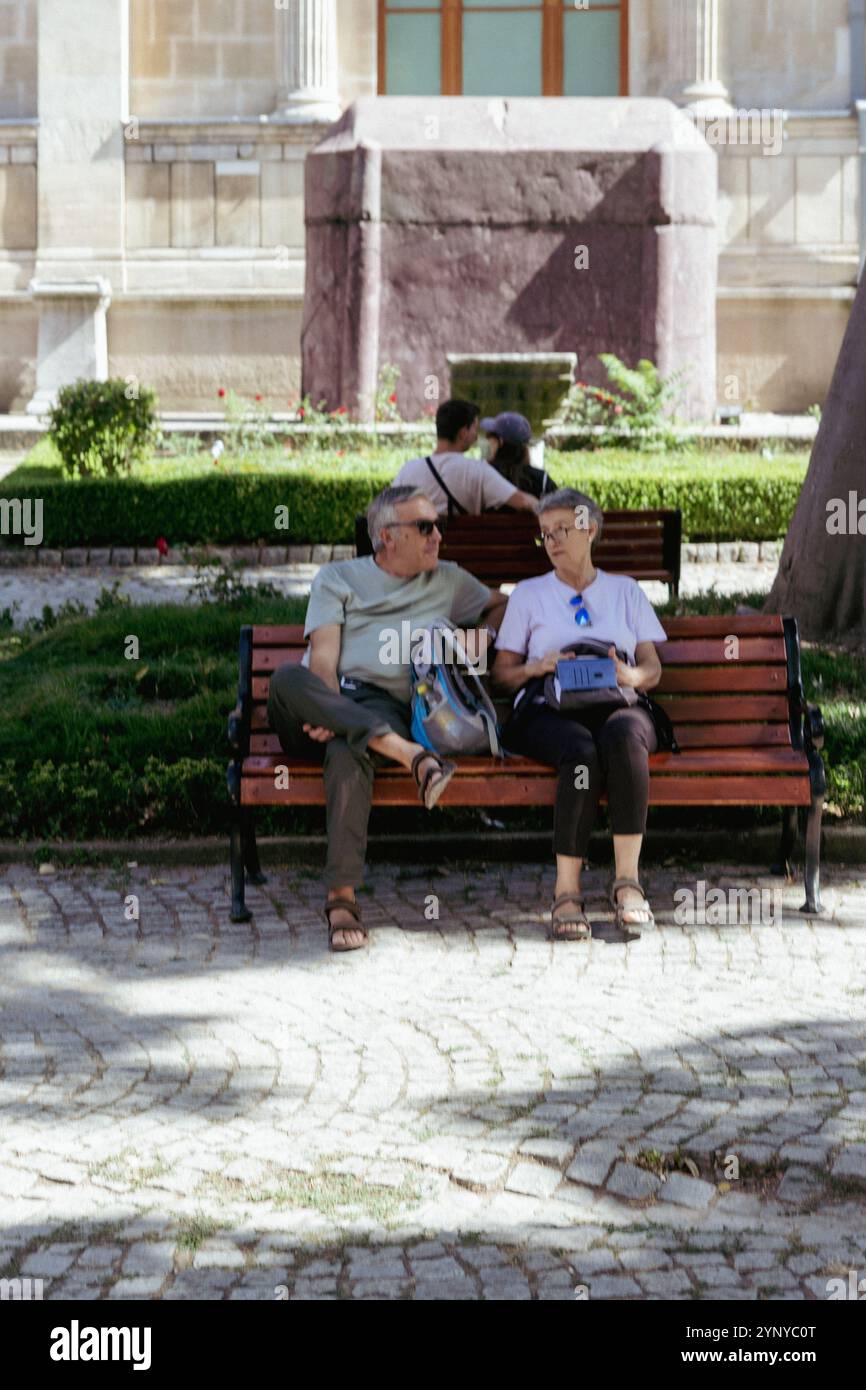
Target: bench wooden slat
[711, 651]
[689, 736]
[721, 679]
[708, 761]
[725, 625]
[682, 709]
[534, 790]
[724, 709]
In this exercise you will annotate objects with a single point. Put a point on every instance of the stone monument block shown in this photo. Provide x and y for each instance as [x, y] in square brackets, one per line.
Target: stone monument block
[441, 225]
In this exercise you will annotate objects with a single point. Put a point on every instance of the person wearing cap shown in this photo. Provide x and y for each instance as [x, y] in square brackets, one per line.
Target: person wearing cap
[455, 483]
[507, 449]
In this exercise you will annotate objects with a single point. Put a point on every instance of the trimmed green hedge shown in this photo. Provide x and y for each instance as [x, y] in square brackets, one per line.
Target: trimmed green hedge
[733, 497]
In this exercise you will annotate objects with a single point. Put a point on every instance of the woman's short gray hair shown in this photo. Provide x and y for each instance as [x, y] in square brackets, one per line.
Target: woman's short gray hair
[568, 499]
[382, 511]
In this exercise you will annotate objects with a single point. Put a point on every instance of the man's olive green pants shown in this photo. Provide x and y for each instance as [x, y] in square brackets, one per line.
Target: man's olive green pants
[359, 713]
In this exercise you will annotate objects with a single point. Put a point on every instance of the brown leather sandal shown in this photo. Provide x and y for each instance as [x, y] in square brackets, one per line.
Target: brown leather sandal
[435, 780]
[621, 908]
[574, 926]
[355, 911]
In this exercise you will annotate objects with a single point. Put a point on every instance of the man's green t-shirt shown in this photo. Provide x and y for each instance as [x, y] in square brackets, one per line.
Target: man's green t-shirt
[372, 606]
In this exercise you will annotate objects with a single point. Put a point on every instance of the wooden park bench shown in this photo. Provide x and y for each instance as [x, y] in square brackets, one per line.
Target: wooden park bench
[502, 547]
[747, 737]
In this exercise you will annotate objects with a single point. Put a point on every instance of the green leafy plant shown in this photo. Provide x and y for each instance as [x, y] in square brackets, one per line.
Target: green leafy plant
[639, 409]
[103, 428]
[386, 394]
[247, 424]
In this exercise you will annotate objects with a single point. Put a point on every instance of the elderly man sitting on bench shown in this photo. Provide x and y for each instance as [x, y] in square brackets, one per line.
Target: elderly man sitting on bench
[349, 703]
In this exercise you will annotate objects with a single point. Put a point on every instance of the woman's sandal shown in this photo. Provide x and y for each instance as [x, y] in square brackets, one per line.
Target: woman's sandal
[574, 926]
[435, 780]
[621, 908]
[354, 910]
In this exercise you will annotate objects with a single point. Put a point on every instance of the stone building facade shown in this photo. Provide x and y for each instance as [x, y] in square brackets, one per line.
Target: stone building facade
[152, 156]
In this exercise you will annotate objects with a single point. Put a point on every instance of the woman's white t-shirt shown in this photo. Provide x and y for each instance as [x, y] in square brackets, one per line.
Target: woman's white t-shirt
[540, 617]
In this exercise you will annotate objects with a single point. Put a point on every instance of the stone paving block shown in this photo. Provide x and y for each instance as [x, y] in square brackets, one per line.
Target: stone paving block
[613, 1286]
[144, 1287]
[592, 1163]
[851, 1162]
[687, 1191]
[549, 1150]
[628, 1181]
[667, 1283]
[534, 1180]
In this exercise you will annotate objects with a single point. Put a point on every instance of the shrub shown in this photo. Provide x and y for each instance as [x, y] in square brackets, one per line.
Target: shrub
[102, 428]
[640, 408]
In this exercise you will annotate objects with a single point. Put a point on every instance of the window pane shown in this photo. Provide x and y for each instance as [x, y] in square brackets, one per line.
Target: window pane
[591, 53]
[502, 55]
[412, 52]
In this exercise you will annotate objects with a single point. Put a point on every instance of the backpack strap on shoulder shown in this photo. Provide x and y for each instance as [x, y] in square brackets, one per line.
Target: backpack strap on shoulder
[453, 504]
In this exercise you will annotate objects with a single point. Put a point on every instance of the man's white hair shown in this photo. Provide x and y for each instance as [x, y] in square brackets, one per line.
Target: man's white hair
[382, 511]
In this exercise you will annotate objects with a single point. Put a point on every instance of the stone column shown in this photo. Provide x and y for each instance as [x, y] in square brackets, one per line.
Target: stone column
[83, 68]
[705, 92]
[308, 56]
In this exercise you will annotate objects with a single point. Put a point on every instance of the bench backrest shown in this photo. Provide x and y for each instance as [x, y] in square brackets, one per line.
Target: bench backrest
[500, 548]
[730, 681]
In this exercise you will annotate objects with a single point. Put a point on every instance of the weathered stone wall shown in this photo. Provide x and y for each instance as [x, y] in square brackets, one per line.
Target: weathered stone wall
[18, 85]
[466, 237]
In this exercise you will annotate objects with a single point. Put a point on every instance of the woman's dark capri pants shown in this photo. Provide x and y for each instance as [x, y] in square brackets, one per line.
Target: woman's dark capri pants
[613, 747]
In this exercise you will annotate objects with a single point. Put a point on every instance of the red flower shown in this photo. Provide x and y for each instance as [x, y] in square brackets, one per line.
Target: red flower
[221, 392]
[341, 410]
[162, 545]
[617, 410]
[301, 411]
[258, 398]
[341, 453]
[393, 398]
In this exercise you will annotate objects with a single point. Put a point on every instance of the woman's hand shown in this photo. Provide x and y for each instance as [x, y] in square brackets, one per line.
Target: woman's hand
[625, 675]
[546, 664]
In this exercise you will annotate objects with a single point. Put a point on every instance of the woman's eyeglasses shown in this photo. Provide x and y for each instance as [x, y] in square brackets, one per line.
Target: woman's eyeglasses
[558, 534]
[425, 528]
[581, 616]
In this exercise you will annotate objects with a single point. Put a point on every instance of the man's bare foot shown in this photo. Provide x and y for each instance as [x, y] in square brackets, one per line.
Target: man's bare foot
[346, 934]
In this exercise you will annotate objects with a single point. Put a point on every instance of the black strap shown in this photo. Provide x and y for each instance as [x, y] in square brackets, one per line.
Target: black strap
[453, 504]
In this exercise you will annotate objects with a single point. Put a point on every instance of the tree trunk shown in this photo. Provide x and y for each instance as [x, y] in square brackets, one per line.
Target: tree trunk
[822, 572]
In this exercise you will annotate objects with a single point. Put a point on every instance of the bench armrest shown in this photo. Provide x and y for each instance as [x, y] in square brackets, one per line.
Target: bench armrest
[239, 719]
[814, 727]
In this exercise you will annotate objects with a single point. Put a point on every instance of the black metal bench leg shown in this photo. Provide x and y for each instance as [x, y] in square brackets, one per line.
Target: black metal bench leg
[251, 849]
[788, 842]
[813, 905]
[240, 911]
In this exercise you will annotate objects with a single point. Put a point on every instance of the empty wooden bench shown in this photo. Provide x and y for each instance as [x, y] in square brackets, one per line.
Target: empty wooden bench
[747, 735]
[502, 548]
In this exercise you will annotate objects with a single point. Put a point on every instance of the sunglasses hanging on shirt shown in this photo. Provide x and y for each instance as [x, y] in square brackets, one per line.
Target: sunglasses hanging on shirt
[581, 615]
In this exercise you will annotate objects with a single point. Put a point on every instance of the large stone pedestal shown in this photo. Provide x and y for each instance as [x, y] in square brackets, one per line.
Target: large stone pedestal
[465, 225]
[72, 336]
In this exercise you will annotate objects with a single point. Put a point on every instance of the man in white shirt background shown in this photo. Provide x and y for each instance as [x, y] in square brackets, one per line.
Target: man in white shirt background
[474, 485]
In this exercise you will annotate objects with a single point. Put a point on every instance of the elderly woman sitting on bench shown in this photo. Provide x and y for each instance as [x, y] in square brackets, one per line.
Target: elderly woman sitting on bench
[610, 745]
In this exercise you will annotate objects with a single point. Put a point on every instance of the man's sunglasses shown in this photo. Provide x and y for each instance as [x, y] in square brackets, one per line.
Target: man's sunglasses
[424, 527]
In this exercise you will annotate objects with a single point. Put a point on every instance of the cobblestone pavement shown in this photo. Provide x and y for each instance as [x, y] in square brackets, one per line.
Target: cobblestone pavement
[30, 589]
[195, 1109]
